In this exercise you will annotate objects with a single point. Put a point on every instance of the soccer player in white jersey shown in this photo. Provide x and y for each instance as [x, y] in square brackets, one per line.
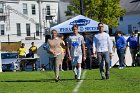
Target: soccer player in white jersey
[76, 45]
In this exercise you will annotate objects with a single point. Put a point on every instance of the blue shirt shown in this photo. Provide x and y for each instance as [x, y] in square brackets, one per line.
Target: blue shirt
[132, 42]
[120, 42]
[88, 42]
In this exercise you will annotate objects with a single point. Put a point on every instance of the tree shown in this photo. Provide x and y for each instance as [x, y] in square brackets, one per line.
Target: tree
[106, 11]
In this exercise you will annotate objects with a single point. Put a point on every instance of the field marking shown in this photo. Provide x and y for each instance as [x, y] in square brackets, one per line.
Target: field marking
[75, 90]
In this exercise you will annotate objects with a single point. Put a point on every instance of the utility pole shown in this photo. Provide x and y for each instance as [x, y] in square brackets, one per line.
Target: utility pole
[40, 18]
[81, 7]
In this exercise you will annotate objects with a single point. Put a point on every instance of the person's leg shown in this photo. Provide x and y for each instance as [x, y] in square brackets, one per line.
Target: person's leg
[122, 58]
[101, 64]
[54, 64]
[67, 63]
[57, 61]
[79, 70]
[22, 63]
[61, 64]
[135, 52]
[118, 53]
[90, 60]
[107, 63]
[79, 61]
[133, 55]
[74, 66]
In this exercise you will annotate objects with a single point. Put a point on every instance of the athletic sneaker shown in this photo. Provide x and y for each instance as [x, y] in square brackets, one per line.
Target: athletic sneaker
[61, 70]
[78, 80]
[107, 76]
[75, 77]
[57, 79]
[121, 67]
[103, 77]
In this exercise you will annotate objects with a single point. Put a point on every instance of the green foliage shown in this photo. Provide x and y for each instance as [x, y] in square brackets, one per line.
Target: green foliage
[106, 11]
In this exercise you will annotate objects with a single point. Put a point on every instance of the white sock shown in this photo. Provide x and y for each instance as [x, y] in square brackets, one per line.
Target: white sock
[79, 73]
[75, 70]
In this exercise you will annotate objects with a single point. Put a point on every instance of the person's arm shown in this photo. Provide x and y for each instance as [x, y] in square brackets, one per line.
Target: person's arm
[68, 49]
[83, 48]
[25, 51]
[110, 46]
[128, 40]
[36, 50]
[124, 42]
[94, 46]
[62, 44]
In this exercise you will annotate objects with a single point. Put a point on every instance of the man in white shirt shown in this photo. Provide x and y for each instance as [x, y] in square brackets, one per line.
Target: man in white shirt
[102, 47]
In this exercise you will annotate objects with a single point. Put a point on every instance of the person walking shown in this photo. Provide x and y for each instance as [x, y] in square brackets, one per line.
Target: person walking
[121, 46]
[102, 47]
[133, 46]
[75, 46]
[54, 49]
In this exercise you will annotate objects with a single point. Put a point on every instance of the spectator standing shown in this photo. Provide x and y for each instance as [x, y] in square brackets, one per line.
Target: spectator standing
[121, 46]
[102, 46]
[32, 50]
[63, 46]
[21, 54]
[88, 46]
[22, 51]
[133, 46]
[76, 44]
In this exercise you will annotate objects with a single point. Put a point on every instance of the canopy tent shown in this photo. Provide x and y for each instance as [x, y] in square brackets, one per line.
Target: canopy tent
[85, 25]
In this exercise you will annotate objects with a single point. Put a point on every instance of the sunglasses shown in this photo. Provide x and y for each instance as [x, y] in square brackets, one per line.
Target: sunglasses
[100, 26]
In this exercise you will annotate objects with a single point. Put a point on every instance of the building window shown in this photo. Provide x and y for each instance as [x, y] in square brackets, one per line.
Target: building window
[18, 29]
[2, 32]
[33, 9]
[121, 18]
[28, 30]
[129, 29]
[48, 10]
[25, 10]
[37, 29]
[1, 7]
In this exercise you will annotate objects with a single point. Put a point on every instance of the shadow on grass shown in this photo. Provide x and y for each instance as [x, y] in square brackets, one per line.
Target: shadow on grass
[42, 80]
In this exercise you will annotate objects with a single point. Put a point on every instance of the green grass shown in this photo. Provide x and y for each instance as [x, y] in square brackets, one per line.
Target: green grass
[121, 81]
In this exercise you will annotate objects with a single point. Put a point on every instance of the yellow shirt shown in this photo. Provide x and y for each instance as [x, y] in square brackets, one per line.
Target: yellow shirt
[62, 49]
[21, 51]
[33, 49]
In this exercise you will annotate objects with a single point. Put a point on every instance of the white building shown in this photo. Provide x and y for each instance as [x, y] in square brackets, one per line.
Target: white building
[20, 19]
[131, 20]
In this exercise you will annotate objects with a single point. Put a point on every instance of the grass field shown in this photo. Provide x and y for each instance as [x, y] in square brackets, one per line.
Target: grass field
[121, 81]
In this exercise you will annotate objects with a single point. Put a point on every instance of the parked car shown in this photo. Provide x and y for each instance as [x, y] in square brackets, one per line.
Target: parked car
[9, 61]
